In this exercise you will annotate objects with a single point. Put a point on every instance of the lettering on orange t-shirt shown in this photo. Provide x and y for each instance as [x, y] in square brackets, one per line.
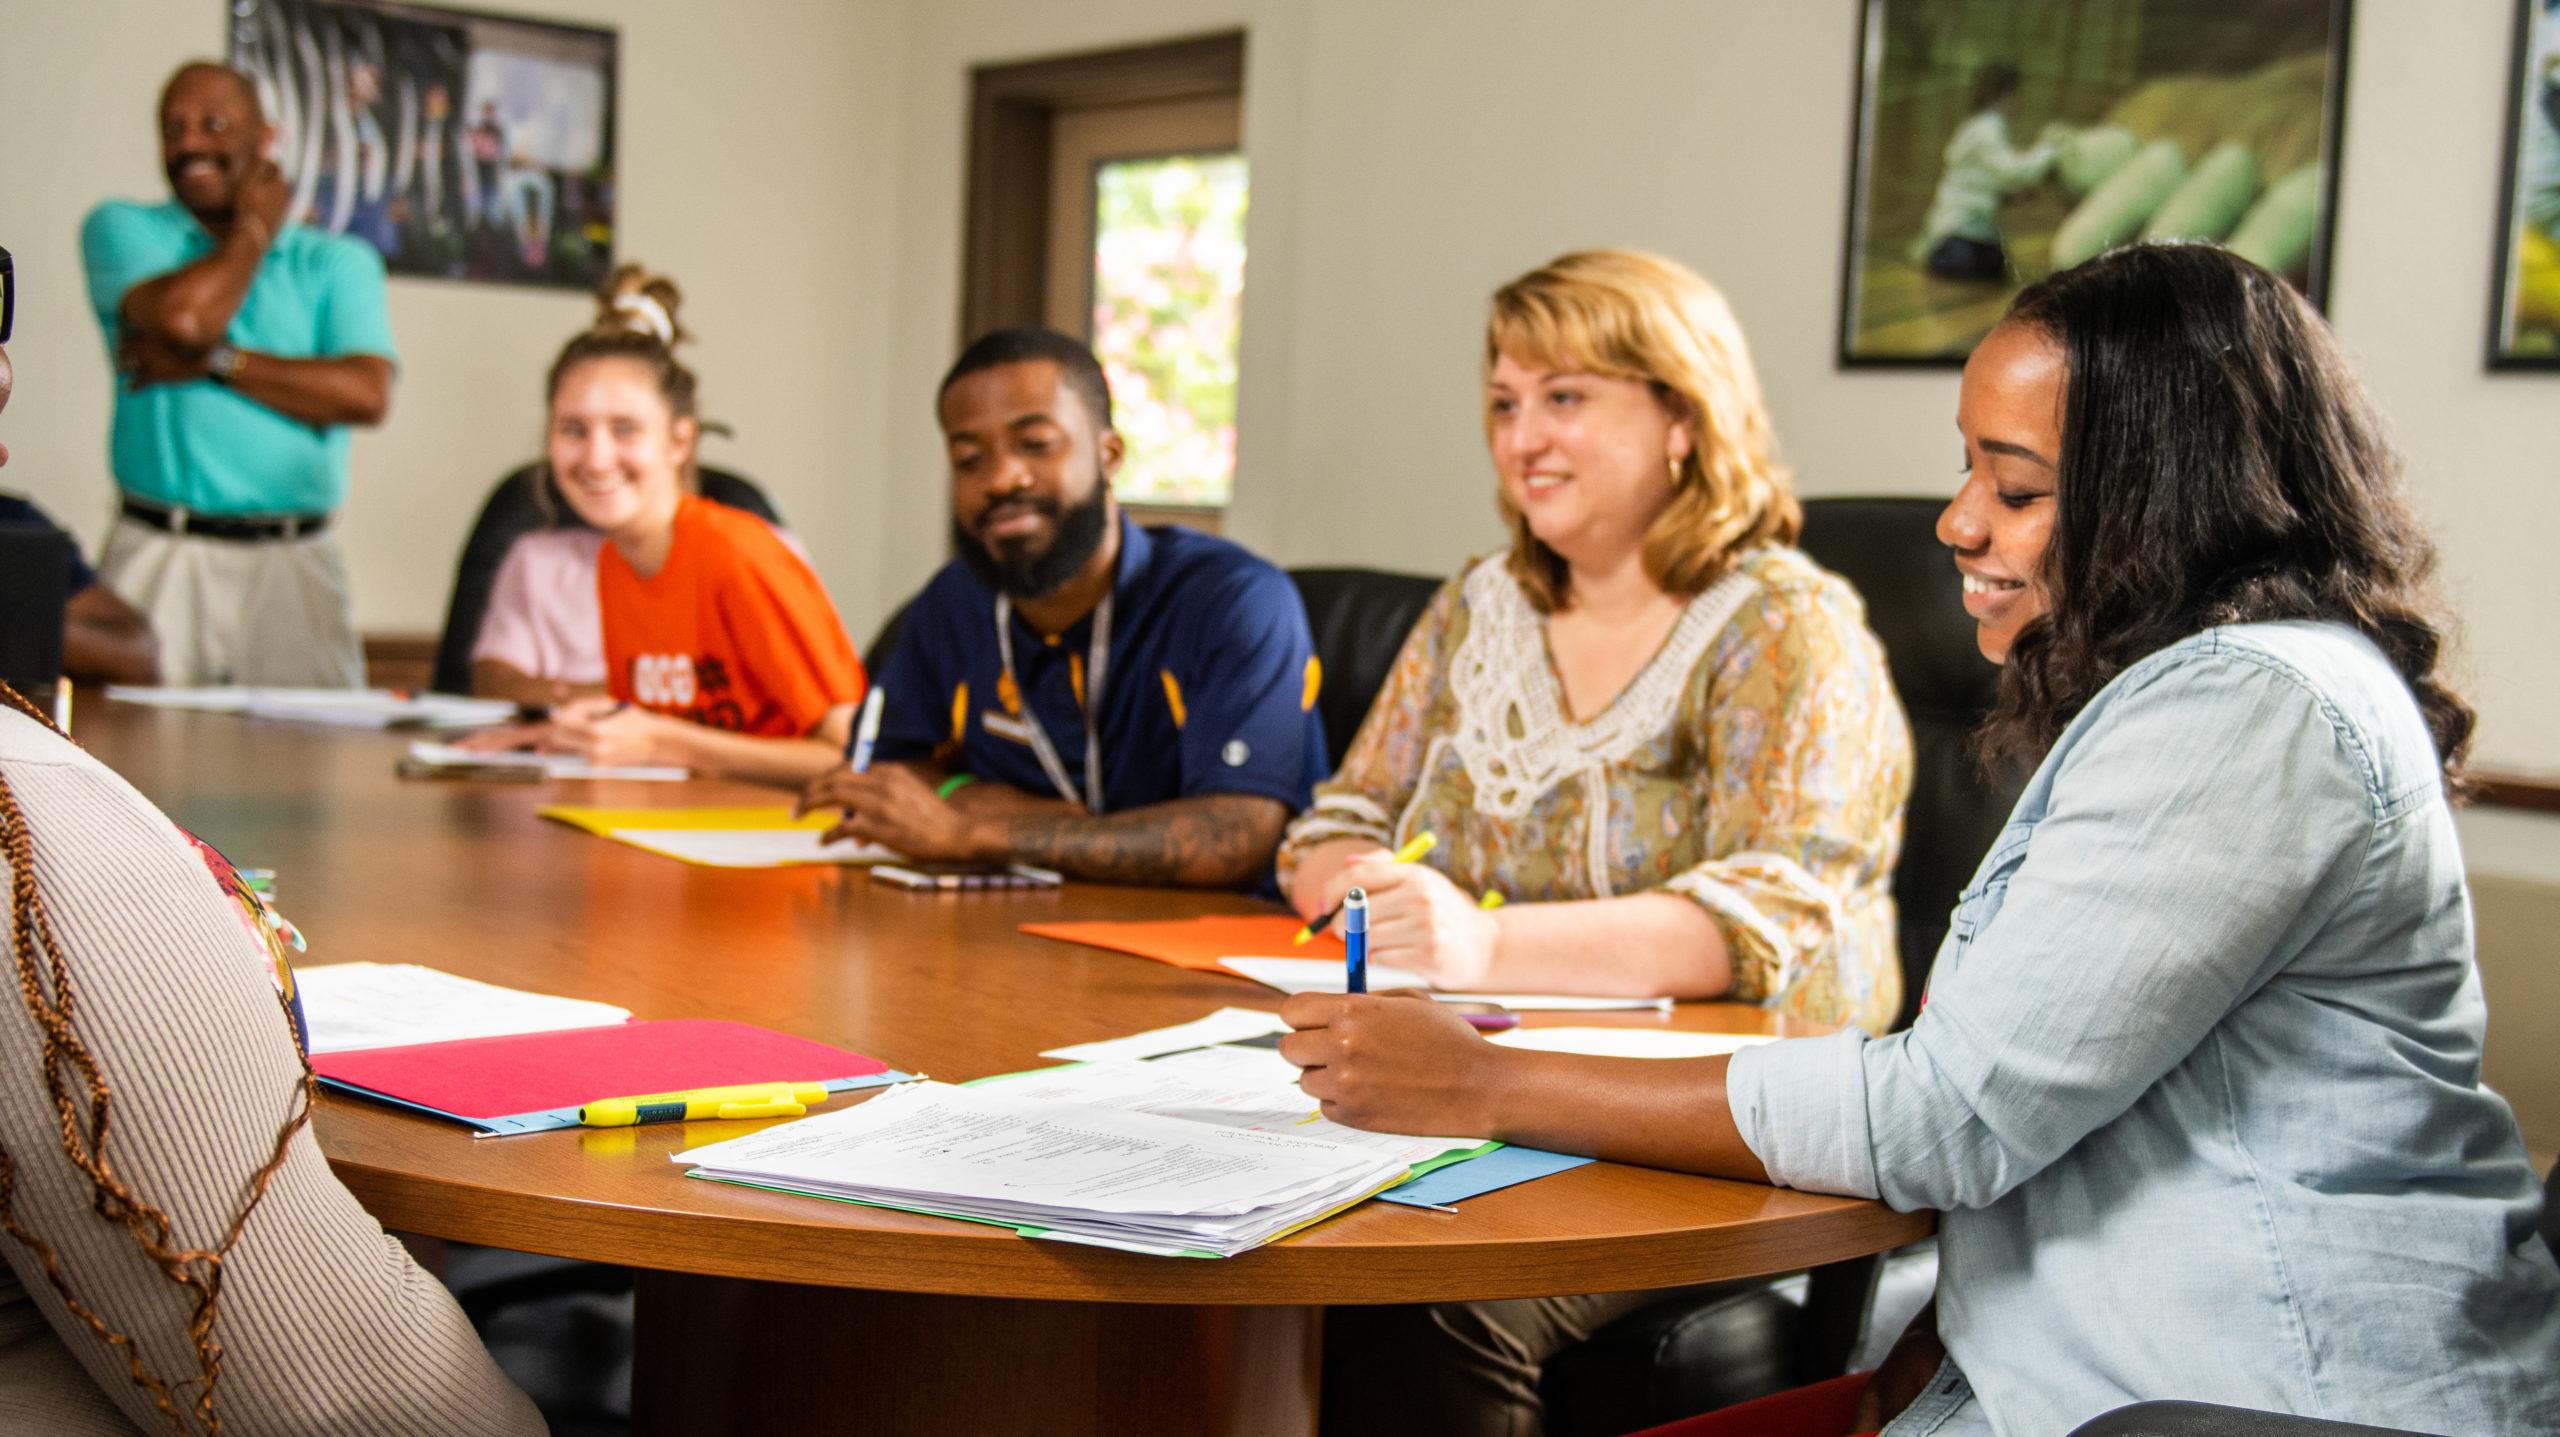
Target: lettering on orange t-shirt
[734, 632]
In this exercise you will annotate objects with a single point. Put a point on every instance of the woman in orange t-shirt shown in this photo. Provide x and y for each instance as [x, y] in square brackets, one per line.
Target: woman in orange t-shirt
[722, 652]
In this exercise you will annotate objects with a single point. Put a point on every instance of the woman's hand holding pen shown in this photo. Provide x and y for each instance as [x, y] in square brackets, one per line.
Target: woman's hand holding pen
[1394, 1063]
[1316, 886]
[1421, 922]
[606, 731]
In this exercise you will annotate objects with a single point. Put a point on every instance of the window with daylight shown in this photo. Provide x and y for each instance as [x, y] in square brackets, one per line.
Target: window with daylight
[1168, 288]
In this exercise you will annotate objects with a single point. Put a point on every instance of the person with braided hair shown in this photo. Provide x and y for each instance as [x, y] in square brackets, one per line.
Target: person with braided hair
[721, 650]
[175, 1255]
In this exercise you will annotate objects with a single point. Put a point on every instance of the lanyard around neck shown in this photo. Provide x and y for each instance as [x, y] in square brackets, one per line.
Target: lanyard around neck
[1098, 657]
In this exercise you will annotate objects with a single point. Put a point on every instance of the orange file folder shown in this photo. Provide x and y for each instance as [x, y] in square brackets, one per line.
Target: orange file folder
[1196, 942]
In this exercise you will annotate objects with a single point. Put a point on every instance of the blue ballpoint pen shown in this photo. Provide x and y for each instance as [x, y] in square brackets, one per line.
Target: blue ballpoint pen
[866, 732]
[1355, 941]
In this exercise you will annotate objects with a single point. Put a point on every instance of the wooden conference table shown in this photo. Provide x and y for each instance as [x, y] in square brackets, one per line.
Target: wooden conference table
[762, 1311]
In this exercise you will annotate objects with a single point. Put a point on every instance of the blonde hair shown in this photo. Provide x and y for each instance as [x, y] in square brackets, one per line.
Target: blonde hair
[1625, 314]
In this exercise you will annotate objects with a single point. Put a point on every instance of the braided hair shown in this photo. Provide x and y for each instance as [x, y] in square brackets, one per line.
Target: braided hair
[84, 1101]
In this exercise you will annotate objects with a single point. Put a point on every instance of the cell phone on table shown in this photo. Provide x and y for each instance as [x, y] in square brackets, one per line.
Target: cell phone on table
[934, 876]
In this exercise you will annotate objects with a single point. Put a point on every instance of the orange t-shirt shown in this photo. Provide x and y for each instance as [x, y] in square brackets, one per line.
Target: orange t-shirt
[734, 632]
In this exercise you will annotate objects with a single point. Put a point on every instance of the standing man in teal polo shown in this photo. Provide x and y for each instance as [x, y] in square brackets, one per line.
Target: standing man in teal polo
[246, 347]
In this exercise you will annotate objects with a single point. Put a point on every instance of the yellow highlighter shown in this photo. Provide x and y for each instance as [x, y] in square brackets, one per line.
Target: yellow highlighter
[747, 1100]
[1418, 845]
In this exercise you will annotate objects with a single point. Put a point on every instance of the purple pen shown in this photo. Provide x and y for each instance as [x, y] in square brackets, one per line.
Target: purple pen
[1492, 1022]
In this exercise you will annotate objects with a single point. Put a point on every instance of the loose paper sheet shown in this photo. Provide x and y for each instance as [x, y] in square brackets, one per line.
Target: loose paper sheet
[343, 708]
[347, 1006]
[1324, 975]
[752, 847]
[1629, 1042]
[551, 765]
[1223, 1026]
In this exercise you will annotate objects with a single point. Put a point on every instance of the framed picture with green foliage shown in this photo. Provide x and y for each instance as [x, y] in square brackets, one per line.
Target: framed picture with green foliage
[1999, 141]
[2524, 321]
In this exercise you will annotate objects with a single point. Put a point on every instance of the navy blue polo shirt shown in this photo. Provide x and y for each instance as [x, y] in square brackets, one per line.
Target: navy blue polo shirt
[1209, 685]
[17, 513]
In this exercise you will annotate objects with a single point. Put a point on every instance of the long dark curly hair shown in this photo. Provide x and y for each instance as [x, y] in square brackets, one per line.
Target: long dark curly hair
[2219, 465]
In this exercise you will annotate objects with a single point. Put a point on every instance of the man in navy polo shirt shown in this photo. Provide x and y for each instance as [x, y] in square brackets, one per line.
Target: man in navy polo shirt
[1117, 703]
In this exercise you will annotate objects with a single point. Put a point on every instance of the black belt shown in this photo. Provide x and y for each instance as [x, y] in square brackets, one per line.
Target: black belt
[244, 528]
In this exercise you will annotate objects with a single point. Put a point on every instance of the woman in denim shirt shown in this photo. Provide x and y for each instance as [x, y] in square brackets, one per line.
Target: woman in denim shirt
[2197, 1088]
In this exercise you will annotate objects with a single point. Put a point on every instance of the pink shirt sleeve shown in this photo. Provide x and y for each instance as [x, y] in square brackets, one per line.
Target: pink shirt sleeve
[543, 616]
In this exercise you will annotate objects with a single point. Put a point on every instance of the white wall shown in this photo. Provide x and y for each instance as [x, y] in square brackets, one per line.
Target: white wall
[757, 146]
[798, 164]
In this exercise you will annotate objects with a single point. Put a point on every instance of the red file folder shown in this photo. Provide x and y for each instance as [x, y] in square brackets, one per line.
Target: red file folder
[527, 1082]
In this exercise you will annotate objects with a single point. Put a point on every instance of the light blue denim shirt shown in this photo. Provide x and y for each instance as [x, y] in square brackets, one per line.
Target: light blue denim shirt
[2197, 1088]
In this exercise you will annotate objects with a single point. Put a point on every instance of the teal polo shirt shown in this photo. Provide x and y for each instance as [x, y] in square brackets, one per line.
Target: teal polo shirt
[202, 445]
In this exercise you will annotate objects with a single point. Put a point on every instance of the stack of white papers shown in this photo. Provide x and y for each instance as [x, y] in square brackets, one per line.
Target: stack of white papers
[549, 765]
[1074, 1171]
[386, 1005]
[1324, 975]
[1251, 1088]
[341, 708]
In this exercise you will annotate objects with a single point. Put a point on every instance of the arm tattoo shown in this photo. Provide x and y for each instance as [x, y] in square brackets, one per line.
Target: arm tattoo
[1220, 840]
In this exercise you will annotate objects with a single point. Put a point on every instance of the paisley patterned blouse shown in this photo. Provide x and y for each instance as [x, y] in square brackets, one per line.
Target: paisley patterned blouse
[1757, 765]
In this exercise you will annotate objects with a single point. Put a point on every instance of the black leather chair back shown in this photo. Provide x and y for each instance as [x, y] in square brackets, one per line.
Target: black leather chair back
[35, 591]
[875, 655]
[512, 512]
[1360, 618]
[1889, 550]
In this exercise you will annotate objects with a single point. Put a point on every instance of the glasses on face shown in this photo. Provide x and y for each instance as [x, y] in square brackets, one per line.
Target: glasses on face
[8, 295]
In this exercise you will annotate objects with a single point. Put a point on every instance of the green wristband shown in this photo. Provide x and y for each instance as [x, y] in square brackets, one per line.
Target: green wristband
[954, 784]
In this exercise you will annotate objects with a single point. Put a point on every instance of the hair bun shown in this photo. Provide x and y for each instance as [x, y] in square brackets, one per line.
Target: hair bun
[636, 301]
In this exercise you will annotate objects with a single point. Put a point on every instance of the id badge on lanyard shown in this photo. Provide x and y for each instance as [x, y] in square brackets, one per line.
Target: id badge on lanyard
[1097, 658]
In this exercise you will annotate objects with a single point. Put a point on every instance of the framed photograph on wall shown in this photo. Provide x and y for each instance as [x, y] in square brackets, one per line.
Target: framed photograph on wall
[1998, 141]
[461, 145]
[2524, 322]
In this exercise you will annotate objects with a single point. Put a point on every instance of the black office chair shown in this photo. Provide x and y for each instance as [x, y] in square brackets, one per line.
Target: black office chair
[35, 592]
[875, 655]
[1698, 1352]
[513, 511]
[1360, 618]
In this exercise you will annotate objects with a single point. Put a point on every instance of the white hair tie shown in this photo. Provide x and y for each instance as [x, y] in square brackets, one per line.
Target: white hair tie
[652, 315]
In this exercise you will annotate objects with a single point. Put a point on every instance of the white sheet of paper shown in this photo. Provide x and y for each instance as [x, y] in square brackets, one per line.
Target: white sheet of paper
[225, 698]
[754, 847]
[1324, 975]
[1223, 1026]
[552, 765]
[376, 708]
[382, 1005]
[1629, 1042]
[342, 708]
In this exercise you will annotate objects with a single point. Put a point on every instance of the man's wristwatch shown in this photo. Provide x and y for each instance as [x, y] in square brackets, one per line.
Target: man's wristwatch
[222, 362]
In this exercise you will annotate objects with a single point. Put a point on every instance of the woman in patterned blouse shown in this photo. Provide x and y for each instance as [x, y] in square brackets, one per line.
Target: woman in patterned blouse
[1661, 733]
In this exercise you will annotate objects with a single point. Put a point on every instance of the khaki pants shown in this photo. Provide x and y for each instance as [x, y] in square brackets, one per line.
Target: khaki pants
[270, 613]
